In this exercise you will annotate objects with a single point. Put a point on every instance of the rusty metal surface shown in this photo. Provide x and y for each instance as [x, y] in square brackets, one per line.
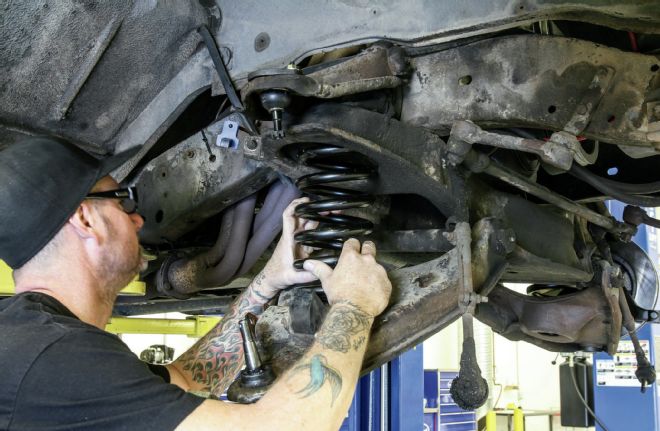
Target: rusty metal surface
[185, 185]
[417, 240]
[375, 68]
[281, 348]
[583, 112]
[540, 88]
[584, 320]
[526, 267]
[611, 292]
[492, 242]
[544, 237]
[145, 82]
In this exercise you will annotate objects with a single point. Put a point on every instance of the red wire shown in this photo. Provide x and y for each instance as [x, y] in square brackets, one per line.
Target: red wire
[579, 138]
[633, 41]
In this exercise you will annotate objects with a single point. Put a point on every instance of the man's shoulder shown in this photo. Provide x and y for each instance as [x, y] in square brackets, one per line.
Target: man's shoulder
[25, 316]
[31, 311]
[30, 322]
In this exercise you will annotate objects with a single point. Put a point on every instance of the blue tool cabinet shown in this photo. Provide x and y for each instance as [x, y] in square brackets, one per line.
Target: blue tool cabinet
[441, 412]
[451, 416]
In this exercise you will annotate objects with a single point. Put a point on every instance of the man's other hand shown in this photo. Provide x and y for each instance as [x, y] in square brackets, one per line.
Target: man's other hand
[279, 271]
[357, 279]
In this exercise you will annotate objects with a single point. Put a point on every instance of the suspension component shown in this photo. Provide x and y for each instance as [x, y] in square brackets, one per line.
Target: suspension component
[257, 377]
[275, 102]
[336, 165]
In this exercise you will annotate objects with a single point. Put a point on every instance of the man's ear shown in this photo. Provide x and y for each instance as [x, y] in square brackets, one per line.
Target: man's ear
[86, 221]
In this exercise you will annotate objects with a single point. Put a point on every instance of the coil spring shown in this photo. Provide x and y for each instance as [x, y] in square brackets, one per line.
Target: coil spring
[336, 165]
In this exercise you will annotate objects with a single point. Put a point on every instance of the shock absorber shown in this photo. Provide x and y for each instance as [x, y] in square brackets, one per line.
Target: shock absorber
[334, 188]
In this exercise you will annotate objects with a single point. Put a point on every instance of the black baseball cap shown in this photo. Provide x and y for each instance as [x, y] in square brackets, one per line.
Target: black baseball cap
[42, 182]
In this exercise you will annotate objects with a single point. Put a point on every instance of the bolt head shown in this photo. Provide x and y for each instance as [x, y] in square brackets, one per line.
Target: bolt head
[251, 144]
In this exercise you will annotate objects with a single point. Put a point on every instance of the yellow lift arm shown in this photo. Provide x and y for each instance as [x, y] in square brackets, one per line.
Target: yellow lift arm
[195, 327]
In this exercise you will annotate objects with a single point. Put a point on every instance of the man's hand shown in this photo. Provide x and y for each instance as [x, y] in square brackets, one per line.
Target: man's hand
[279, 271]
[357, 279]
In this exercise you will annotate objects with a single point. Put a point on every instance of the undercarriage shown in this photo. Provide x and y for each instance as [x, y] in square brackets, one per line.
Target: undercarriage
[475, 147]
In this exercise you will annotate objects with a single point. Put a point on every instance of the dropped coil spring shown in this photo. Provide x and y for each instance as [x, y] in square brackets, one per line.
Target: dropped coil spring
[336, 165]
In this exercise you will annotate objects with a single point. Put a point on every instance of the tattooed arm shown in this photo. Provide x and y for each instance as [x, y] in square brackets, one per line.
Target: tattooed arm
[215, 360]
[326, 368]
[212, 363]
[317, 391]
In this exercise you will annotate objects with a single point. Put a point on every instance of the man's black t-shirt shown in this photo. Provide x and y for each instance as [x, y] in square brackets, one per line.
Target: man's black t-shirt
[59, 373]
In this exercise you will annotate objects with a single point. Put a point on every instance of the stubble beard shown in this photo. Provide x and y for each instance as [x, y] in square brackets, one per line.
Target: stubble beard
[121, 263]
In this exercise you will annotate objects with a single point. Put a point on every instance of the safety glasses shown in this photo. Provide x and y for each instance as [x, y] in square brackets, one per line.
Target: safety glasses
[127, 198]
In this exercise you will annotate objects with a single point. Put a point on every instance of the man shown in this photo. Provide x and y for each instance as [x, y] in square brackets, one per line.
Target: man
[70, 234]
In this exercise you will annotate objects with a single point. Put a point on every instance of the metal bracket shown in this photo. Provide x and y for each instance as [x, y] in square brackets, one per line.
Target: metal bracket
[571, 143]
[228, 138]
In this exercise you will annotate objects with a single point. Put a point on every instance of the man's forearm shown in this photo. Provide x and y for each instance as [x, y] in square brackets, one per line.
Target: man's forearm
[314, 394]
[324, 379]
[215, 360]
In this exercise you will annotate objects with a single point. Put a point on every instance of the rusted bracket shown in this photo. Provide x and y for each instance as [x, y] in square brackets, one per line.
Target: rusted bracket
[587, 319]
[590, 100]
[571, 142]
